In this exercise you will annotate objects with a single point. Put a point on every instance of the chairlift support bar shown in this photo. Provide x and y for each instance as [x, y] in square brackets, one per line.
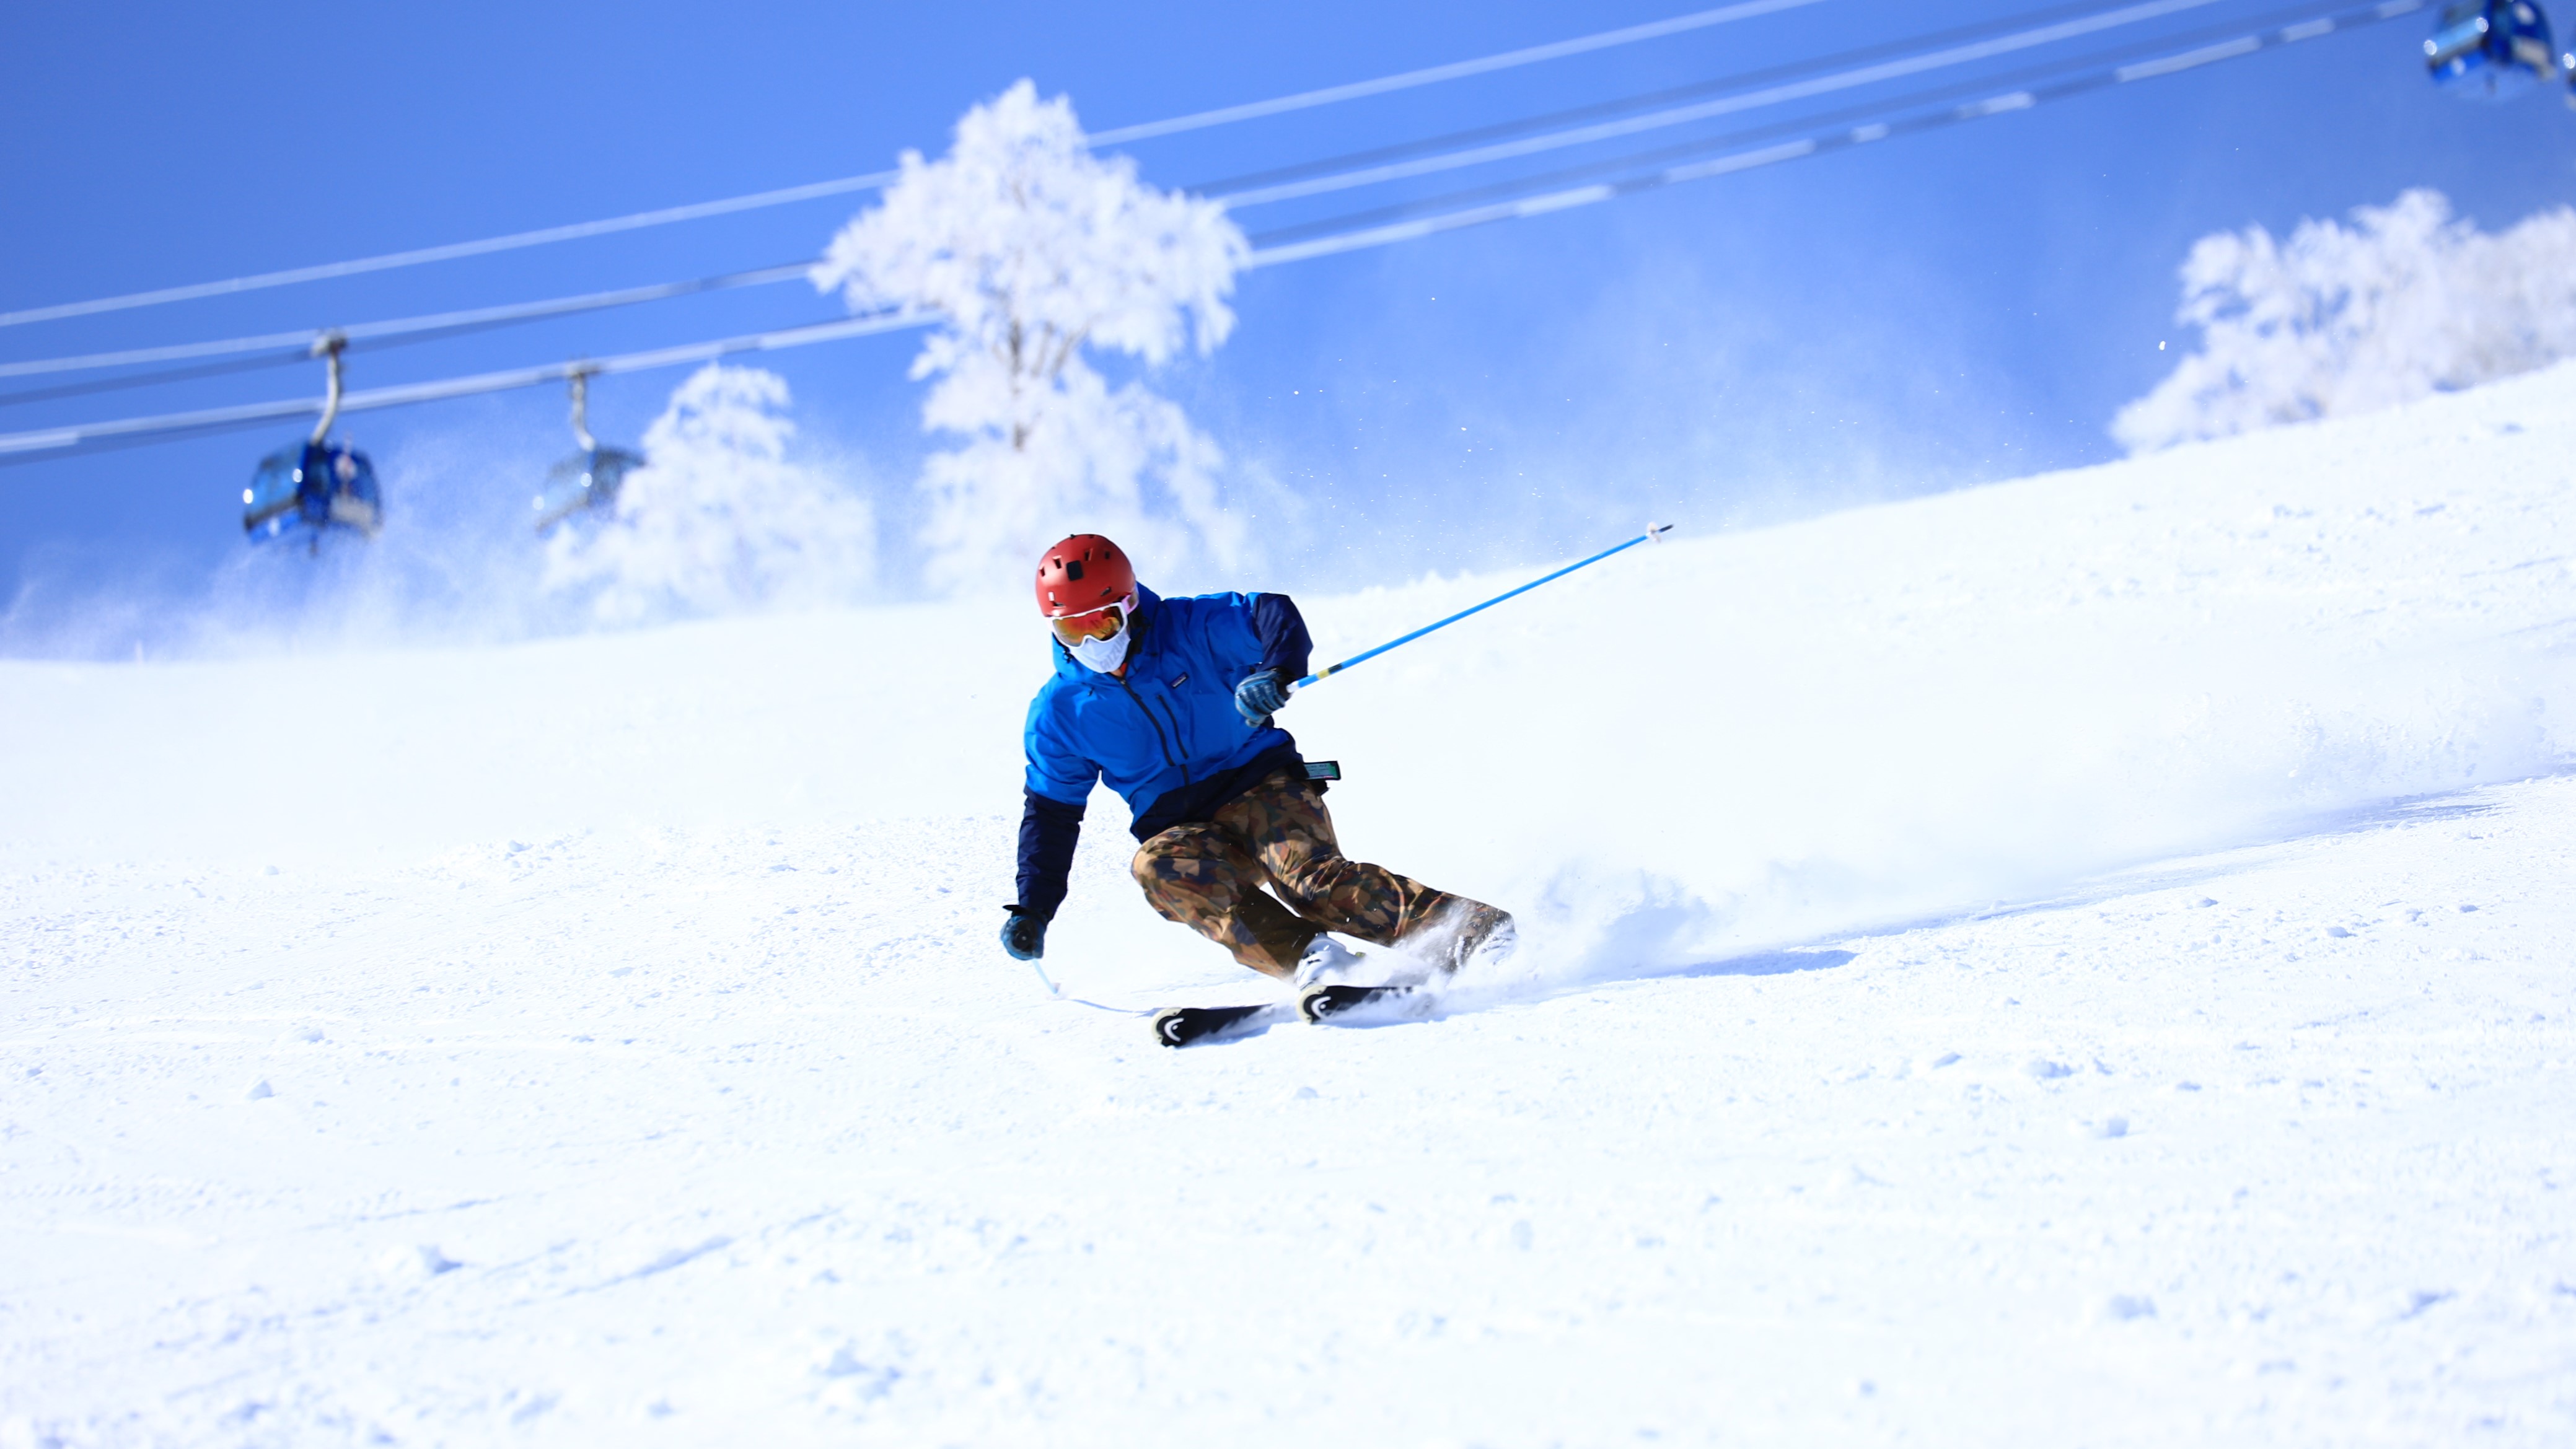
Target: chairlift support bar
[581, 410]
[1654, 534]
[329, 345]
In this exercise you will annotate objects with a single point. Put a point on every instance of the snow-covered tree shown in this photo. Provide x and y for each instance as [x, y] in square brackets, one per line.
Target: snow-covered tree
[1032, 250]
[2404, 303]
[718, 520]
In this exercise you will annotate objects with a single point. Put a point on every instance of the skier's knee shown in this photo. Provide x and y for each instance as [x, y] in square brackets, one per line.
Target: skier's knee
[1161, 860]
[1318, 879]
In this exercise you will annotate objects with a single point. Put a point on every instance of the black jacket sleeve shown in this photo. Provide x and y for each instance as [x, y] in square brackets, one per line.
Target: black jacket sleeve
[1049, 830]
[1284, 645]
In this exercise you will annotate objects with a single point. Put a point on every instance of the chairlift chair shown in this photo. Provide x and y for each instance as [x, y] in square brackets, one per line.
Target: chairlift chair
[587, 482]
[2491, 50]
[315, 487]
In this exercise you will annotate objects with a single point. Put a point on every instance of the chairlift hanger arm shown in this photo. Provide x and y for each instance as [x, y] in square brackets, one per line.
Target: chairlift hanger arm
[580, 378]
[329, 346]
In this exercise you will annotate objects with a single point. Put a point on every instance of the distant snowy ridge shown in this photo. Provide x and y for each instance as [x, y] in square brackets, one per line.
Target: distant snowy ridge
[2404, 303]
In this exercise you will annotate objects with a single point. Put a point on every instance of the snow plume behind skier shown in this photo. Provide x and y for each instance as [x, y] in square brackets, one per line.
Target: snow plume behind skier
[1170, 702]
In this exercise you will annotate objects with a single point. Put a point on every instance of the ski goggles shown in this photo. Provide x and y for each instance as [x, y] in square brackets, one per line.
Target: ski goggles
[1105, 623]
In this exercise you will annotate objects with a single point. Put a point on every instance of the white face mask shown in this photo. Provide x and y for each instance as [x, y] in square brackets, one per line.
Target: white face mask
[1104, 655]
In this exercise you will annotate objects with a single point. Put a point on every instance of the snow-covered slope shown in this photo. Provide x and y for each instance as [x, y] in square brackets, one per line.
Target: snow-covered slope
[1983, 984]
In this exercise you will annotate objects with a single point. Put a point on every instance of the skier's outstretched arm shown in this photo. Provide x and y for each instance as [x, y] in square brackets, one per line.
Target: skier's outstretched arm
[1284, 645]
[1049, 830]
[1284, 650]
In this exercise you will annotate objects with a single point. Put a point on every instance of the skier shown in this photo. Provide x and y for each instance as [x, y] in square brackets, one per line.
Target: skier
[1170, 701]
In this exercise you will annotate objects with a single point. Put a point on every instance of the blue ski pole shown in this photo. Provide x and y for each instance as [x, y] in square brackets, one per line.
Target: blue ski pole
[1654, 532]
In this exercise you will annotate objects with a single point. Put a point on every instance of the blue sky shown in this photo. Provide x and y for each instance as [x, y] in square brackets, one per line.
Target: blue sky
[1936, 311]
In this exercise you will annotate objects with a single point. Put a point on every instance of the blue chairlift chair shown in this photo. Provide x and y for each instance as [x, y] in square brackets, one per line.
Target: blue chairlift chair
[316, 487]
[586, 483]
[2491, 50]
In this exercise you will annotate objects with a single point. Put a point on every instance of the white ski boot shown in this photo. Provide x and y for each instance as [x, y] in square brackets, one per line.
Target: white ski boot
[1327, 961]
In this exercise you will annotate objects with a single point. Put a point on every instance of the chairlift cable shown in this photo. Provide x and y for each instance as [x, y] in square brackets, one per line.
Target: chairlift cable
[1364, 168]
[47, 443]
[1646, 101]
[1835, 139]
[290, 346]
[1773, 95]
[279, 357]
[1433, 75]
[1965, 44]
[872, 180]
[2103, 61]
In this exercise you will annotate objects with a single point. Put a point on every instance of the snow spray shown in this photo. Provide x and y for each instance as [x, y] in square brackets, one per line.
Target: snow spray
[1654, 533]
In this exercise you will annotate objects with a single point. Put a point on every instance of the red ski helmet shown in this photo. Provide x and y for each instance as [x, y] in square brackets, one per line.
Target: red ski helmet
[1083, 573]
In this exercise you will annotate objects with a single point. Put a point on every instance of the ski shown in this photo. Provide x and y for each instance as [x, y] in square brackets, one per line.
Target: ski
[1178, 1026]
[1321, 1004]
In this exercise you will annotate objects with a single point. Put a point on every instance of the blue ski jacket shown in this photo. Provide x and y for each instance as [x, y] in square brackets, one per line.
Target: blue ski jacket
[1163, 732]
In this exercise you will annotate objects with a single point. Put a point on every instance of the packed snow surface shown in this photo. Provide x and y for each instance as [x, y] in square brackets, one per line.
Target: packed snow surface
[2089, 960]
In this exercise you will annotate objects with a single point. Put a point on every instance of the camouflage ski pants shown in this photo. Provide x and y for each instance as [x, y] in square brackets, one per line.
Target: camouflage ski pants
[1208, 875]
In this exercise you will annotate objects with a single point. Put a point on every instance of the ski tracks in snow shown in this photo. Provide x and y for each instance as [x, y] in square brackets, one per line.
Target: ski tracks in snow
[636, 1137]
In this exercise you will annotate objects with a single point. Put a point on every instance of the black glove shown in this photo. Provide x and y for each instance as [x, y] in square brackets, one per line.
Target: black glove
[1024, 935]
[1260, 696]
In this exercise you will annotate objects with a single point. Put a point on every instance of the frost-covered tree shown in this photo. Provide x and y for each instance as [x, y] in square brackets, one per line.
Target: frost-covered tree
[718, 520]
[2403, 303]
[1032, 250]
